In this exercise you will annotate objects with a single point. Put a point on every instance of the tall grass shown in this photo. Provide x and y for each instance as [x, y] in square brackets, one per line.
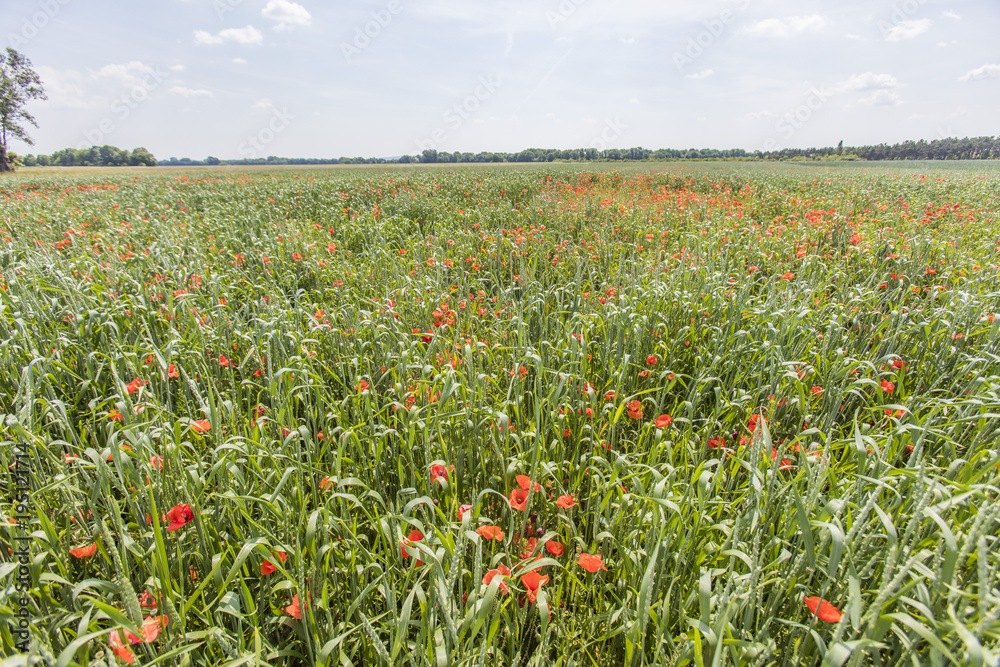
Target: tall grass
[330, 361]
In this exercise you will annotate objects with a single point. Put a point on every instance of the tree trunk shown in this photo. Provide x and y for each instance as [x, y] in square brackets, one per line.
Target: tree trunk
[4, 166]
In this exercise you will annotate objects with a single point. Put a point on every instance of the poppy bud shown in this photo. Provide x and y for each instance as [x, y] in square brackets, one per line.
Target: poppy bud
[435, 502]
[540, 532]
[533, 516]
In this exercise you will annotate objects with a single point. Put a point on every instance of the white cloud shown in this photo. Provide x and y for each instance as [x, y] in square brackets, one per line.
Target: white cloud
[868, 81]
[787, 27]
[126, 74]
[64, 88]
[239, 61]
[634, 100]
[177, 68]
[851, 35]
[952, 15]
[248, 35]
[191, 92]
[984, 72]
[883, 98]
[704, 74]
[286, 14]
[908, 30]
[263, 104]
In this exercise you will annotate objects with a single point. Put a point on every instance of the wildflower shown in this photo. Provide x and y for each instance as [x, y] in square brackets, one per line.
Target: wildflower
[716, 443]
[788, 276]
[663, 421]
[502, 572]
[565, 501]
[816, 390]
[84, 552]
[822, 609]
[294, 610]
[525, 483]
[179, 515]
[156, 462]
[554, 548]
[519, 499]
[172, 371]
[635, 409]
[135, 385]
[462, 509]
[362, 386]
[754, 421]
[609, 396]
[888, 387]
[116, 416]
[591, 562]
[491, 533]
[533, 581]
[223, 361]
[267, 567]
[201, 426]
[651, 360]
[439, 473]
[528, 546]
[326, 483]
[414, 536]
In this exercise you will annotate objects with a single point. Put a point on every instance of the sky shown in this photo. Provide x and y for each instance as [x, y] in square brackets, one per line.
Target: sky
[381, 78]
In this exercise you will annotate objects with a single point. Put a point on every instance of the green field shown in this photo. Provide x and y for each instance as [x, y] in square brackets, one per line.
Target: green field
[547, 415]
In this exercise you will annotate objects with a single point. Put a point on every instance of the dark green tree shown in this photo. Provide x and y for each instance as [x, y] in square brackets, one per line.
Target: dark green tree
[18, 85]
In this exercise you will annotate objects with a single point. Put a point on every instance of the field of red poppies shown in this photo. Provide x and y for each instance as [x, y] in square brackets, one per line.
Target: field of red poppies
[667, 415]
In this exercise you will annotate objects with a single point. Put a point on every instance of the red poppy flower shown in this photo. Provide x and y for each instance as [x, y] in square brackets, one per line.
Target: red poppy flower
[609, 396]
[788, 276]
[439, 474]
[179, 515]
[554, 548]
[326, 483]
[716, 443]
[519, 499]
[888, 387]
[223, 361]
[201, 426]
[491, 533]
[754, 421]
[651, 360]
[134, 385]
[84, 552]
[414, 536]
[120, 649]
[528, 545]
[591, 562]
[147, 601]
[565, 501]
[462, 509]
[823, 609]
[663, 421]
[116, 416]
[172, 371]
[501, 572]
[533, 581]
[361, 386]
[156, 462]
[635, 409]
[294, 610]
[267, 567]
[525, 483]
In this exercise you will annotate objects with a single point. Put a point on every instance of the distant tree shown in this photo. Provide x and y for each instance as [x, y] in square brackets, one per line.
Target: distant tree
[212, 160]
[18, 85]
[142, 158]
[429, 155]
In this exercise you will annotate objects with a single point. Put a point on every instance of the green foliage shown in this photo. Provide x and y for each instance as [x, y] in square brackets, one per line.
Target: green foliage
[319, 364]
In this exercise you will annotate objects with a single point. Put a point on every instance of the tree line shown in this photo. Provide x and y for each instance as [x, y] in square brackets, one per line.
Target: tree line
[952, 148]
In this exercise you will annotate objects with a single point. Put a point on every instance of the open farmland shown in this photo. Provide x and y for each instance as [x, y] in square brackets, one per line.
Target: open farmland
[491, 416]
